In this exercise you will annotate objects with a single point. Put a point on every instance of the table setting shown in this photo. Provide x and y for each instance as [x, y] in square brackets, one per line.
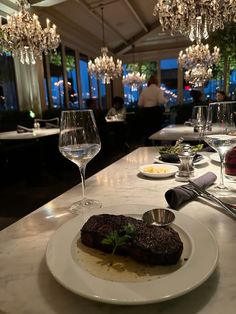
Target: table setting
[152, 243]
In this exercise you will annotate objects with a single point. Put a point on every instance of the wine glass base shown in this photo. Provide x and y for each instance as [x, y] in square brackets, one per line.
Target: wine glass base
[84, 206]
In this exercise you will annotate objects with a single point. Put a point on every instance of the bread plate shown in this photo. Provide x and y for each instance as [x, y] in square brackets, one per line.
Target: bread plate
[158, 171]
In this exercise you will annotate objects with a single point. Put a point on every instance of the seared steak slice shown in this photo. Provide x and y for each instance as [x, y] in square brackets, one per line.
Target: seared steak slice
[149, 244]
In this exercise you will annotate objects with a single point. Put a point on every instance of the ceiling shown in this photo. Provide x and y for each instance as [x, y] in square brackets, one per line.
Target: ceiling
[129, 27]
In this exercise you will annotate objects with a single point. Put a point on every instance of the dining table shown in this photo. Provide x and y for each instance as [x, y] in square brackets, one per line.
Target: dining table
[173, 132]
[27, 286]
[35, 134]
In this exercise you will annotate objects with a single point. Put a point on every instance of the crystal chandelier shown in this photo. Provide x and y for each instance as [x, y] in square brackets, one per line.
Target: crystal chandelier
[104, 67]
[198, 62]
[134, 79]
[191, 18]
[24, 36]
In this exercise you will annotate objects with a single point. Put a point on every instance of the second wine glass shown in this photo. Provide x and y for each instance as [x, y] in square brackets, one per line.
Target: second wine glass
[221, 132]
[79, 142]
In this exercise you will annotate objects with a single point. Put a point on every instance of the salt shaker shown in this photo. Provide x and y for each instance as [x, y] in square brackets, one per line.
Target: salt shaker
[186, 169]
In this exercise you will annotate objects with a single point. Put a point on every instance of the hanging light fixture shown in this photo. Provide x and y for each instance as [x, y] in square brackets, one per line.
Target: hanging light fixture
[190, 17]
[104, 67]
[24, 36]
[198, 61]
[134, 79]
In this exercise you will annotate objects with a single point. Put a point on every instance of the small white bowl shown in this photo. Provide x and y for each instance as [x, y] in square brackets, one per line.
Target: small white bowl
[158, 171]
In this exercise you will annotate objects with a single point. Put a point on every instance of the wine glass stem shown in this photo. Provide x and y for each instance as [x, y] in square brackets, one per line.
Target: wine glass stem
[221, 185]
[82, 174]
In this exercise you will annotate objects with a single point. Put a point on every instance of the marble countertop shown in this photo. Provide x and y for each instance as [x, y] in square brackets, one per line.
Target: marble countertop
[174, 131]
[13, 135]
[27, 286]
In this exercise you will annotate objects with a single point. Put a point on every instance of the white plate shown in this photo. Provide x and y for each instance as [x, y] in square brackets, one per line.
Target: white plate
[198, 241]
[170, 170]
[215, 157]
[200, 162]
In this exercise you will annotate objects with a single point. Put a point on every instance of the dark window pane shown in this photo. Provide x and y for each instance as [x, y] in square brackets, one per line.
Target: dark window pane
[8, 96]
[84, 81]
[72, 78]
[57, 81]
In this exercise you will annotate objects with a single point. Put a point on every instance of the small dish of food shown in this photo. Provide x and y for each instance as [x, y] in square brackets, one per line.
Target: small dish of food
[169, 154]
[158, 171]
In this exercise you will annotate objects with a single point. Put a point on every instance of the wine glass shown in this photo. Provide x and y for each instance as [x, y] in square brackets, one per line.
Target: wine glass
[220, 132]
[199, 119]
[79, 141]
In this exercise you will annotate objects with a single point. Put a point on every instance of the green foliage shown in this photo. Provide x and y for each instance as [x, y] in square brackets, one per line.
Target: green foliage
[56, 59]
[225, 40]
[147, 68]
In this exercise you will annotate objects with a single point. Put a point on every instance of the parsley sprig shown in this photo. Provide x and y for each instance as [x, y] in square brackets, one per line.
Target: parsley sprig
[116, 239]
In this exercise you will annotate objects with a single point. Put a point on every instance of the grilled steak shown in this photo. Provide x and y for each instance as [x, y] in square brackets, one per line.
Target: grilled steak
[148, 244]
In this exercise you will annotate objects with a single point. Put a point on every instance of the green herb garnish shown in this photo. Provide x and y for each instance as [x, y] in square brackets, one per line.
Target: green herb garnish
[116, 239]
[168, 149]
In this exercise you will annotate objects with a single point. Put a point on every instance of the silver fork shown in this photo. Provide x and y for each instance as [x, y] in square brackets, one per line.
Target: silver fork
[198, 191]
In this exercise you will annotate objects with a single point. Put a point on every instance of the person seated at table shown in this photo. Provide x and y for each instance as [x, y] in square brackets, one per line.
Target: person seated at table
[221, 96]
[118, 109]
[152, 101]
[197, 96]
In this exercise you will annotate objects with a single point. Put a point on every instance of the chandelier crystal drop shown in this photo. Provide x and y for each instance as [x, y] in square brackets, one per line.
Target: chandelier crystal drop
[104, 67]
[195, 18]
[24, 36]
[198, 61]
[134, 79]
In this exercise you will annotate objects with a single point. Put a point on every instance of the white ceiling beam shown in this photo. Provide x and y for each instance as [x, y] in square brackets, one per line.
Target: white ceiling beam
[135, 14]
[98, 18]
[45, 3]
[124, 47]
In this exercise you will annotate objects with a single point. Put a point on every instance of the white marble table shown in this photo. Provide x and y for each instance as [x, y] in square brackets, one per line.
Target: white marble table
[37, 133]
[27, 287]
[173, 132]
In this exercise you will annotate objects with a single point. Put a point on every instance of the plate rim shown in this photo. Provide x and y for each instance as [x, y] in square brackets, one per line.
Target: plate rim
[160, 175]
[140, 285]
[204, 160]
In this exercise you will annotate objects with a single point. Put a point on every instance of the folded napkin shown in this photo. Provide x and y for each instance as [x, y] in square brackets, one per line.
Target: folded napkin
[23, 129]
[178, 196]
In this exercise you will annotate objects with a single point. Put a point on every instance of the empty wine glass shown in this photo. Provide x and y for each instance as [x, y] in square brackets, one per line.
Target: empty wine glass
[79, 141]
[199, 119]
[221, 133]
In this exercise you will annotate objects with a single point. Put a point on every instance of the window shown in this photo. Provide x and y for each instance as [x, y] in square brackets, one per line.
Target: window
[83, 65]
[57, 81]
[8, 95]
[94, 87]
[71, 78]
[169, 78]
[45, 83]
[103, 93]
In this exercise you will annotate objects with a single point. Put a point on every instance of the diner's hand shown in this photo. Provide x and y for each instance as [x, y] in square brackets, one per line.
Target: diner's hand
[180, 195]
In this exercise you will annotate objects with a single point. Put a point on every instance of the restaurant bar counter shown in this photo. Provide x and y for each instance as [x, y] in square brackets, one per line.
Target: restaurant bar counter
[28, 287]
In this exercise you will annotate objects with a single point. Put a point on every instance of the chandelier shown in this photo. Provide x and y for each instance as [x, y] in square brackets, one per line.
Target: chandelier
[198, 62]
[104, 67]
[24, 36]
[134, 79]
[193, 18]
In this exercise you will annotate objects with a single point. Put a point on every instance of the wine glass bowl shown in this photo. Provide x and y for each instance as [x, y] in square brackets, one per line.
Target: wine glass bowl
[199, 118]
[221, 135]
[79, 142]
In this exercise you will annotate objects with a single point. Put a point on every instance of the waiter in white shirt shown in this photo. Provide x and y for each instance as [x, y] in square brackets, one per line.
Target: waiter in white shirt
[151, 100]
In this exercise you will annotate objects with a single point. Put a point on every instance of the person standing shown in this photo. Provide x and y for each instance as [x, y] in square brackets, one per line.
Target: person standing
[150, 101]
